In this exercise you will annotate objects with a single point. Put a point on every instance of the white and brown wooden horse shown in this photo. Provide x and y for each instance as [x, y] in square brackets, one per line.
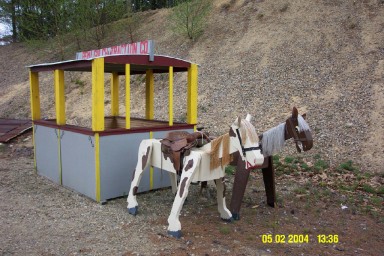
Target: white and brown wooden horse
[272, 141]
[199, 165]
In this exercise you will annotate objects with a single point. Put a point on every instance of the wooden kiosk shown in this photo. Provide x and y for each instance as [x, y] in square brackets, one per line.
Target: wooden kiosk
[99, 162]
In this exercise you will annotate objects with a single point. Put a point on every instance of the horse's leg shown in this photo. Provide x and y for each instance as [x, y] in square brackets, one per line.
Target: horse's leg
[239, 185]
[144, 156]
[173, 178]
[225, 214]
[191, 163]
[269, 182]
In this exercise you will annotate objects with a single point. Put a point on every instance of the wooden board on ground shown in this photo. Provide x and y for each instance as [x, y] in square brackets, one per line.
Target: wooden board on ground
[11, 128]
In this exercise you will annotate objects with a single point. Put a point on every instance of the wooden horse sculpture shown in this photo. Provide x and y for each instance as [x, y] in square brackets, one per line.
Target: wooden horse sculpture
[271, 142]
[201, 164]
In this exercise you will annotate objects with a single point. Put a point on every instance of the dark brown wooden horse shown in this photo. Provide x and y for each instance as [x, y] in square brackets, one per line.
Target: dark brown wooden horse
[271, 142]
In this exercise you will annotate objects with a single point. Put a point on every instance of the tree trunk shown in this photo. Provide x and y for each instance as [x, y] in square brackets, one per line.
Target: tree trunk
[13, 17]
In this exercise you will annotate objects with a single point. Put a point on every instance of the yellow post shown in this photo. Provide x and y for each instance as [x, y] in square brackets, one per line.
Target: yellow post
[59, 96]
[127, 96]
[98, 94]
[97, 166]
[114, 94]
[170, 96]
[192, 95]
[35, 95]
[149, 95]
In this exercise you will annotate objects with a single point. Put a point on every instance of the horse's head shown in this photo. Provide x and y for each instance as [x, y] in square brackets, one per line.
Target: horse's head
[244, 139]
[298, 129]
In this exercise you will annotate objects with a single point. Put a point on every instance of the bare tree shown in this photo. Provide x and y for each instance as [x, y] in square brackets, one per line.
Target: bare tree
[189, 17]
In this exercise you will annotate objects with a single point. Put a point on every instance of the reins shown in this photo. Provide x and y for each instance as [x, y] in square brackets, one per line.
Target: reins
[244, 149]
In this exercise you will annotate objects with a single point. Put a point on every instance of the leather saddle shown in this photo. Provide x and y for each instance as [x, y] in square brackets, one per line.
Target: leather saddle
[177, 144]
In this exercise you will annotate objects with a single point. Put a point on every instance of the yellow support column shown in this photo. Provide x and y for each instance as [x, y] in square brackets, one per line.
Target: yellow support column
[149, 95]
[59, 97]
[114, 94]
[192, 95]
[170, 96]
[127, 96]
[35, 106]
[60, 113]
[98, 94]
[97, 114]
[35, 95]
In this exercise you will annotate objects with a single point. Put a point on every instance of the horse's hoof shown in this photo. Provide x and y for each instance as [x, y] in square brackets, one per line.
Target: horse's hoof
[230, 220]
[175, 234]
[133, 210]
[236, 216]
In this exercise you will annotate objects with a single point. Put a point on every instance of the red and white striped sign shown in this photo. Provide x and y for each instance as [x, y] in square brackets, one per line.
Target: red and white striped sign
[144, 47]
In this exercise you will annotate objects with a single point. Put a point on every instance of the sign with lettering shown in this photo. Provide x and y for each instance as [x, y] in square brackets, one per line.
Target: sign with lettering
[144, 47]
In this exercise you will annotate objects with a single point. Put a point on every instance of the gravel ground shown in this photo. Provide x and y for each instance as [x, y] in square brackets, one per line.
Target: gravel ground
[263, 57]
[39, 217]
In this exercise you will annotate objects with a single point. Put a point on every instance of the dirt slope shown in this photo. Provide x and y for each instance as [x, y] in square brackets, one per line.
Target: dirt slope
[324, 56]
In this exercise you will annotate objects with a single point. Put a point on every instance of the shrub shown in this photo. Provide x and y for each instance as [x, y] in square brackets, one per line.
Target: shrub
[189, 17]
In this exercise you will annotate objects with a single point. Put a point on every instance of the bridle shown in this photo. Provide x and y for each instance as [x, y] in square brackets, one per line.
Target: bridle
[244, 149]
[295, 134]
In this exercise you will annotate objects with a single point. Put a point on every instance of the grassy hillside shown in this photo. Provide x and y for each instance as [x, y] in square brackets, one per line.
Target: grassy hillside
[325, 57]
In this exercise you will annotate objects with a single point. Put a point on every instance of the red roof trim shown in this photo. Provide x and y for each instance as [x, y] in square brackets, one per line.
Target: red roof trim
[139, 63]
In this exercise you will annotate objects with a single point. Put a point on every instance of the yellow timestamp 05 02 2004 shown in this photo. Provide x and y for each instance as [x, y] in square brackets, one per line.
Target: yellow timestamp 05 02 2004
[282, 239]
[297, 238]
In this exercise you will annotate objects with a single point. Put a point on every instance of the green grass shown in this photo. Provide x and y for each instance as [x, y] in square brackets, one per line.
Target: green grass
[79, 82]
[289, 159]
[369, 189]
[320, 165]
[380, 190]
[225, 230]
[300, 190]
[305, 167]
[377, 201]
[347, 166]
[276, 159]
[230, 170]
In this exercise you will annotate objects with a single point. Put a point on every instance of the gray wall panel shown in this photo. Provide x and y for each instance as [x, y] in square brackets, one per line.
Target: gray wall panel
[47, 156]
[78, 163]
[118, 158]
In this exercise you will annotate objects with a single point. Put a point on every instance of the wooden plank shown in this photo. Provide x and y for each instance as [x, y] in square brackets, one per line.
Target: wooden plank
[11, 128]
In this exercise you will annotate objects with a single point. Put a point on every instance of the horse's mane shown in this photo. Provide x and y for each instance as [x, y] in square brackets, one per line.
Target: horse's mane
[247, 131]
[273, 140]
[247, 128]
[303, 125]
[216, 161]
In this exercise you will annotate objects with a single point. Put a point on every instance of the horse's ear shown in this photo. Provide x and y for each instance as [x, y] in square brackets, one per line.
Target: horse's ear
[295, 112]
[237, 122]
[304, 115]
[248, 118]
